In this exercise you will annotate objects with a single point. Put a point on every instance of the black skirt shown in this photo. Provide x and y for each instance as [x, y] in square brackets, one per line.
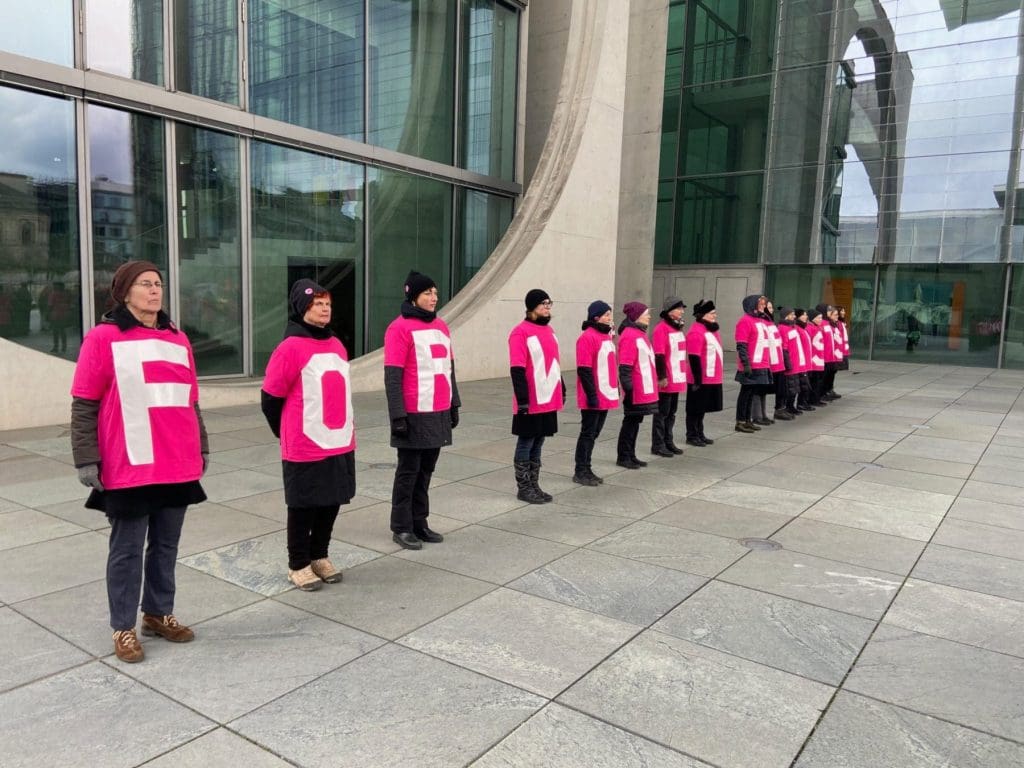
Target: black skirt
[535, 424]
[325, 483]
[705, 399]
[145, 499]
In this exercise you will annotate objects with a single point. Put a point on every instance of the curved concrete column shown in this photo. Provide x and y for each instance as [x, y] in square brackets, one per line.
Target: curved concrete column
[563, 236]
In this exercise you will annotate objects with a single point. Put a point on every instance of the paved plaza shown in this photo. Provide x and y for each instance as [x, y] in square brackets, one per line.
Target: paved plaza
[646, 622]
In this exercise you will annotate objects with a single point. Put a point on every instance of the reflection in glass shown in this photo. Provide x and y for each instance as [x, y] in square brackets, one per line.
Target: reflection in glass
[307, 221]
[808, 286]
[489, 48]
[484, 219]
[930, 314]
[1013, 349]
[126, 162]
[306, 63]
[21, 31]
[412, 69]
[126, 38]
[40, 282]
[209, 248]
[716, 220]
[206, 48]
[410, 228]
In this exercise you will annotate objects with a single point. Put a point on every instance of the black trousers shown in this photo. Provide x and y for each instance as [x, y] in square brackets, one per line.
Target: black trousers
[664, 420]
[309, 534]
[591, 424]
[410, 500]
[817, 379]
[694, 425]
[781, 390]
[627, 435]
[744, 400]
[829, 382]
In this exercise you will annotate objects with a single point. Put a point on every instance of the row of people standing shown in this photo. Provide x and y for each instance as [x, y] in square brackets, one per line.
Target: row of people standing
[793, 353]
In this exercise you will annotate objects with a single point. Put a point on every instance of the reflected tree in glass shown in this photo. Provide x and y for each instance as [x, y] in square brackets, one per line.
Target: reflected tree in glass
[40, 281]
[209, 247]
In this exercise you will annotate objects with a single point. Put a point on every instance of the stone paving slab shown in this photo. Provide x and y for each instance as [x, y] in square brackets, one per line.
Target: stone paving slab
[785, 634]
[955, 682]
[702, 554]
[858, 732]
[711, 705]
[29, 652]
[579, 742]
[878, 551]
[391, 707]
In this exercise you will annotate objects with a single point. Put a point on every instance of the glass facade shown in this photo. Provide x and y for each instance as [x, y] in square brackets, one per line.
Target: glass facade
[40, 278]
[234, 216]
[880, 144]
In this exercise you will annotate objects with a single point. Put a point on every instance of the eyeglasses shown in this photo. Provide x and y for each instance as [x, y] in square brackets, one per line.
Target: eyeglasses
[149, 284]
[547, 304]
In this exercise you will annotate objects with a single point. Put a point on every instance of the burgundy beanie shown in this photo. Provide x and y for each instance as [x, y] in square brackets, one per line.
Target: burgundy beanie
[126, 275]
[633, 309]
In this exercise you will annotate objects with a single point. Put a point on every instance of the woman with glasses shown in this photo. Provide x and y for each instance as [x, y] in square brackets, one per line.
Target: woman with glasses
[538, 390]
[139, 442]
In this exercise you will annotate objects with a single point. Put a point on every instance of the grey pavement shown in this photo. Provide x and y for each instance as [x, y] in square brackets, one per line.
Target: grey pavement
[843, 590]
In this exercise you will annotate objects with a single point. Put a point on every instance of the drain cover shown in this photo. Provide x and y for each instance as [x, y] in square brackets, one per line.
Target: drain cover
[382, 465]
[760, 544]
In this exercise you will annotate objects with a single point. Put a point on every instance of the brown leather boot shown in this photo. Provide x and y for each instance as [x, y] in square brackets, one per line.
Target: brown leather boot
[127, 646]
[167, 627]
[325, 569]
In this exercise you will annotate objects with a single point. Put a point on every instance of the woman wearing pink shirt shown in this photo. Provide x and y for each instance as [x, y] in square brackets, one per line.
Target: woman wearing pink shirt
[307, 401]
[704, 390]
[597, 385]
[139, 442]
[638, 377]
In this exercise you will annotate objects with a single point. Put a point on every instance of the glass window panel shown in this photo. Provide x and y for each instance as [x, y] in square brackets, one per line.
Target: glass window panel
[1013, 350]
[724, 127]
[412, 73]
[931, 314]
[410, 228]
[799, 107]
[663, 223]
[804, 36]
[206, 48]
[484, 219]
[789, 212]
[209, 247]
[40, 281]
[307, 221]
[490, 40]
[22, 32]
[306, 63]
[729, 39]
[127, 188]
[126, 38]
[717, 220]
[808, 286]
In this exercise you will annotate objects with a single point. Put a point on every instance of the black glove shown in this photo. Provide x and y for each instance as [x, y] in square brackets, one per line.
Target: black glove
[400, 427]
[454, 413]
[592, 403]
[89, 476]
[694, 387]
[747, 370]
[627, 397]
[522, 410]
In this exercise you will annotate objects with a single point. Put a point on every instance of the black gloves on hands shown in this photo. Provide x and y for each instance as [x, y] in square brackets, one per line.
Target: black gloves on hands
[454, 413]
[400, 427]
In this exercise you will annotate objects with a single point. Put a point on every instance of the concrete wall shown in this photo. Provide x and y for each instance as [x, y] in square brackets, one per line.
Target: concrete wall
[725, 285]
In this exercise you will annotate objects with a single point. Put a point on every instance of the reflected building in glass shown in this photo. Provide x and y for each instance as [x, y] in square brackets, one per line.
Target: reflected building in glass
[855, 153]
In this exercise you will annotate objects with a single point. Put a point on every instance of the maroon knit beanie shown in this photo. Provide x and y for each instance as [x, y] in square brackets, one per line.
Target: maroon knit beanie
[634, 309]
[126, 276]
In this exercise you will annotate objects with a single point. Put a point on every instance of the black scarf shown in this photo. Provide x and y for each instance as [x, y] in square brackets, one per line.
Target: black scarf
[627, 323]
[410, 310]
[538, 320]
[599, 327]
[123, 318]
[677, 324]
[708, 324]
[302, 328]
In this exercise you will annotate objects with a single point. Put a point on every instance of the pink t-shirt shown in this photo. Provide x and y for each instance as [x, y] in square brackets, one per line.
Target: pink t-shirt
[670, 342]
[312, 375]
[776, 360]
[799, 359]
[761, 344]
[596, 350]
[817, 347]
[424, 352]
[535, 348]
[707, 345]
[635, 350]
[846, 338]
[145, 380]
[838, 346]
[828, 341]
